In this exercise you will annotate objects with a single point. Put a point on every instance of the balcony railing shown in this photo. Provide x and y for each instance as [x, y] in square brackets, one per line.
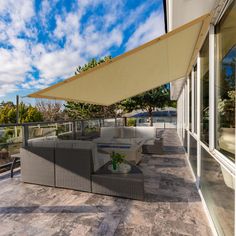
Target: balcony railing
[13, 136]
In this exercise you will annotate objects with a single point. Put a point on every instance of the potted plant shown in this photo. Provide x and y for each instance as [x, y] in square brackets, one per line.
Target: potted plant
[116, 159]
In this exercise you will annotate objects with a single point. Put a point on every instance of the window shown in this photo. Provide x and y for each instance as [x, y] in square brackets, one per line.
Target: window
[190, 103]
[217, 187]
[195, 97]
[225, 84]
[204, 104]
[193, 154]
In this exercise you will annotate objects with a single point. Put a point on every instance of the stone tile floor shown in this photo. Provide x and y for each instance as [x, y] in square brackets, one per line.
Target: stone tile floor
[172, 205]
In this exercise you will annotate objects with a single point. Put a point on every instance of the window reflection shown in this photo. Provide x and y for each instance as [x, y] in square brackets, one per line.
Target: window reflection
[190, 102]
[193, 154]
[217, 186]
[185, 140]
[225, 87]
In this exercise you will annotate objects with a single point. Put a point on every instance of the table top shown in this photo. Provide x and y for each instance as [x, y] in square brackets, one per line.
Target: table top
[104, 170]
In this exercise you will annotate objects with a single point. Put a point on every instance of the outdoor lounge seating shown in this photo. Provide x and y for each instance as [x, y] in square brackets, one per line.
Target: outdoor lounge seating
[83, 165]
[58, 164]
[126, 140]
[132, 152]
[37, 165]
[130, 185]
[145, 133]
[70, 164]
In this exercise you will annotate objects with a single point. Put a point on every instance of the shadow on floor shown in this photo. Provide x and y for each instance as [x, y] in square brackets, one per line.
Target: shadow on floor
[7, 174]
[49, 209]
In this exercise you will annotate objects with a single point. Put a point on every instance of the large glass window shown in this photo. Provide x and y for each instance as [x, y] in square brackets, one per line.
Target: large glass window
[193, 154]
[217, 186]
[195, 98]
[185, 140]
[225, 84]
[190, 103]
[204, 61]
[186, 106]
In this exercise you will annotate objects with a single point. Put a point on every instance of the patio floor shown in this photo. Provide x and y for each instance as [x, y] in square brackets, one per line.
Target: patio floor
[172, 205]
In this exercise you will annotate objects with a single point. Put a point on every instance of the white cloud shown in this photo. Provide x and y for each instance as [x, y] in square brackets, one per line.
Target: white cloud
[67, 26]
[60, 63]
[52, 61]
[45, 11]
[7, 88]
[150, 29]
[71, 43]
[20, 12]
[14, 65]
[15, 58]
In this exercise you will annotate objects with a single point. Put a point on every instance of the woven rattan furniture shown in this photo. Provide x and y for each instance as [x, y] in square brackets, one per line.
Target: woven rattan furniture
[73, 168]
[130, 185]
[60, 167]
[37, 165]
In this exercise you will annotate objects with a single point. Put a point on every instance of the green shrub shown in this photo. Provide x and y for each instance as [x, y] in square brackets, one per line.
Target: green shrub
[131, 122]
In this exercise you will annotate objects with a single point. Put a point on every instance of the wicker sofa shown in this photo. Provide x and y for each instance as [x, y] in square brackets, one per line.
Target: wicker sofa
[57, 166]
[79, 165]
[74, 165]
[126, 140]
[144, 133]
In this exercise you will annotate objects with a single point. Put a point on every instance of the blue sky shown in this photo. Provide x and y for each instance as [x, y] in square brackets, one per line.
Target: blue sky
[43, 41]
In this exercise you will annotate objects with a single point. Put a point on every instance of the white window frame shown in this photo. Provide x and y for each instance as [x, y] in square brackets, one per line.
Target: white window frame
[198, 97]
[192, 100]
[222, 159]
[212, 88]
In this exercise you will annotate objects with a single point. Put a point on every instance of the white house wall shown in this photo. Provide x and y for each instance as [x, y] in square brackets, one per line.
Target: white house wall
[180, 12]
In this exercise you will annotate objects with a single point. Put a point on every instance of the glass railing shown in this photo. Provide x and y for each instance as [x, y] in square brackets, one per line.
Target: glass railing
[10, 143]
[12, 136]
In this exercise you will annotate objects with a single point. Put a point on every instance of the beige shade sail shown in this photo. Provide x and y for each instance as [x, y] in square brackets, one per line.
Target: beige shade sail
[153, 64]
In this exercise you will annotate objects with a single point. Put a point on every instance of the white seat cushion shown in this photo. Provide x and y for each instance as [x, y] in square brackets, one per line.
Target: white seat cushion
[110, 132]
[128, 132]
[145, 132]
[98, 159]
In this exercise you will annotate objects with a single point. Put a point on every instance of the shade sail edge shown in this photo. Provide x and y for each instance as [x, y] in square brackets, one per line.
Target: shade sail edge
[99, 70]
[38, 96]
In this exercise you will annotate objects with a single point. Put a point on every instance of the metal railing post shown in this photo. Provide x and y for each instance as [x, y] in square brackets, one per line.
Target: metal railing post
[73, 130]
[25, 135]
[100, 123]
[82, 128]
[125, 121]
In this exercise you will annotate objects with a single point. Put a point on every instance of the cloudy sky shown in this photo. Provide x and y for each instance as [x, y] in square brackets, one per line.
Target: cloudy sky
[43, 41]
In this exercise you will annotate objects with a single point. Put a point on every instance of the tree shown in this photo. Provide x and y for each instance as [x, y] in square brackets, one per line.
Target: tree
[148, 101]
[51, 111]
[26, 113]
[91, 64]
[79, 110]
[7, 114]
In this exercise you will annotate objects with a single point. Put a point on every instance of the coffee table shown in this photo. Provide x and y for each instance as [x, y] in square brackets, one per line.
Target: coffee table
[129, 185]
